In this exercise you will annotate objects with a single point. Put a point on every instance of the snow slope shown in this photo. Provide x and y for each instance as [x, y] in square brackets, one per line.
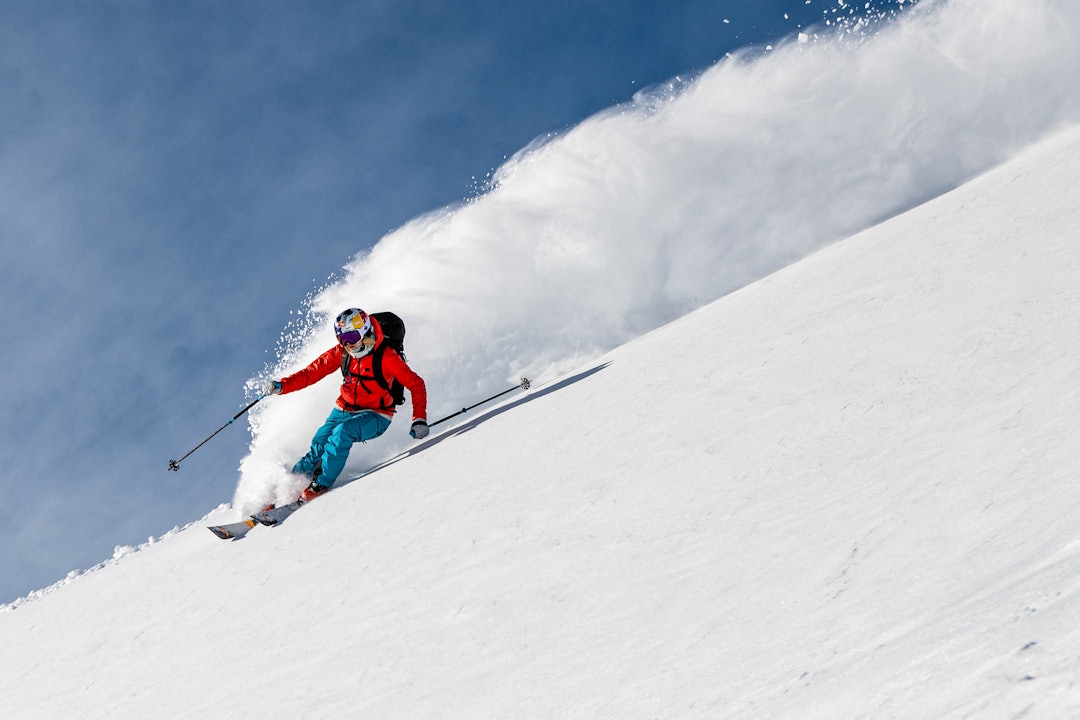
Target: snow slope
[845, 491]
[651, 209]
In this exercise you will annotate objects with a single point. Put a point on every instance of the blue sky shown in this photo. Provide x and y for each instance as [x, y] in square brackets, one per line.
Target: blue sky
[177, 178]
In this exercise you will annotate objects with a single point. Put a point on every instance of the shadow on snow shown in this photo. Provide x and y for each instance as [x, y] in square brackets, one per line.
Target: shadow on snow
[479, 420]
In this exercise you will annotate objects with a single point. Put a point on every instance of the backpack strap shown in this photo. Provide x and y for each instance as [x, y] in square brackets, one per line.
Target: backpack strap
[376, 366]
[397, 391]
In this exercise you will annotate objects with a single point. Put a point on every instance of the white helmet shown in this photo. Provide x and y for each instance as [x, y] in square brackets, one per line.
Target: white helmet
[354, 331]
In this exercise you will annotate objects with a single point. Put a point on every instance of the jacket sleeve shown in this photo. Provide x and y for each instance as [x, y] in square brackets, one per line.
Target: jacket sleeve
[322, 366]
[394, 368]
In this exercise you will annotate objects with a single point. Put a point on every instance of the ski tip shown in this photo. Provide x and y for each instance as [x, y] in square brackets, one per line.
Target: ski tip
[233, 530]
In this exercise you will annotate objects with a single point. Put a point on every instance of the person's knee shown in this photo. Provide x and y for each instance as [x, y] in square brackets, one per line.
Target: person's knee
[341, 440]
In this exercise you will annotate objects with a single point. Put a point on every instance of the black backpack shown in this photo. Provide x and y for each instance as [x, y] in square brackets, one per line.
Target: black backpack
[393, 336]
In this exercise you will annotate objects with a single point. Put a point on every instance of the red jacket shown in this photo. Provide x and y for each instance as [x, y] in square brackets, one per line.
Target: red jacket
[360, 391]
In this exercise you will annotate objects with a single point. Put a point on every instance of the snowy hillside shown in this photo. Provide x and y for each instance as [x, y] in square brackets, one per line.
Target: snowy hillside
[651, 209]
[845, 491]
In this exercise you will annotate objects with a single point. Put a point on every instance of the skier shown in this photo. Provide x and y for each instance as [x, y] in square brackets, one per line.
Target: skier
[365, 405]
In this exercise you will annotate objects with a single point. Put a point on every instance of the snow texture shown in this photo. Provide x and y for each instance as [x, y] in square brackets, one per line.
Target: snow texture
[847, 490]
[649, 210]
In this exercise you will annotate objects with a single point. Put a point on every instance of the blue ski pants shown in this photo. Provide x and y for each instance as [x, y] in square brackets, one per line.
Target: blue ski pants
[332, 442]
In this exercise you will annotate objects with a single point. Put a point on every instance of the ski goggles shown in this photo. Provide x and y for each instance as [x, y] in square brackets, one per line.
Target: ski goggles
[352, 337]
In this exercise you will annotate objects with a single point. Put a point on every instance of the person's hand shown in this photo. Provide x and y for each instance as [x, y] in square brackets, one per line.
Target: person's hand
[419, 429]
[272, 387]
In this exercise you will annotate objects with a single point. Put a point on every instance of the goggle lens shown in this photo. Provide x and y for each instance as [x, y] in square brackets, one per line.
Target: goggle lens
[350, 337]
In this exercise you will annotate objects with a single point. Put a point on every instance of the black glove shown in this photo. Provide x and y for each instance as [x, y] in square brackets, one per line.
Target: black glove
[419, 429]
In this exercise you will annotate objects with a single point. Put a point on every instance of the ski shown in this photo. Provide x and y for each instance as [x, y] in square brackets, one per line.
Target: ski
[271, 516]
[275, 515]
[230, 531]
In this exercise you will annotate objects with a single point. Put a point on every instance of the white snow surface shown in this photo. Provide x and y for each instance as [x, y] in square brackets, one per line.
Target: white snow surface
[649, 210]
[848, 490]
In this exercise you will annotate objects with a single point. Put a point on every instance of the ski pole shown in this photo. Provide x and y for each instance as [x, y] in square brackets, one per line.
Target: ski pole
[524, 385]
[175, 464]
